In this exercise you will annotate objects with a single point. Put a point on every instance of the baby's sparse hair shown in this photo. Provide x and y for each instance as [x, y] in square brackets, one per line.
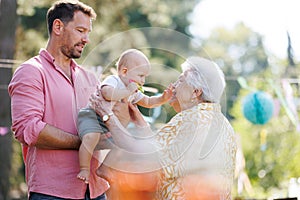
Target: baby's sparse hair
[128, 56]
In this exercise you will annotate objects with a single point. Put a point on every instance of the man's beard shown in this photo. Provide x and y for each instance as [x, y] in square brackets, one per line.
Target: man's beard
[70, 52]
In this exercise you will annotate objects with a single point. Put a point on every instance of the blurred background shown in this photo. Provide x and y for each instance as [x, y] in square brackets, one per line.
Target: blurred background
[254, 42]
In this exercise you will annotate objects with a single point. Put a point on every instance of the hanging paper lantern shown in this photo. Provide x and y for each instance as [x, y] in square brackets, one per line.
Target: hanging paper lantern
[258, 107]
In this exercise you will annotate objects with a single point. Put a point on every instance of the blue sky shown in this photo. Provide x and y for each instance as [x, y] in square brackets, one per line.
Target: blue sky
[271, 18]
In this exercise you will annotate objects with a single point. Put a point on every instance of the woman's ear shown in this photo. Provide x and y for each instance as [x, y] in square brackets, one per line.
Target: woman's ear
[198, 93]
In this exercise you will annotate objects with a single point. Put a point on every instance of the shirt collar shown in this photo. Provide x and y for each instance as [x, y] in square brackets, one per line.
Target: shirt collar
[44, 53]
[209, 106]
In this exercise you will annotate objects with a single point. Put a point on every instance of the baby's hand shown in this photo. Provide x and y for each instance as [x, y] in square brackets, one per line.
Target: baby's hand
[132, 87]
[139, 87]
[167, 94]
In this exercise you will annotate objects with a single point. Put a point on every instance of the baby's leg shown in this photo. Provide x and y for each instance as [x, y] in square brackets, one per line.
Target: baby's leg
[107, 169]
[89, 142]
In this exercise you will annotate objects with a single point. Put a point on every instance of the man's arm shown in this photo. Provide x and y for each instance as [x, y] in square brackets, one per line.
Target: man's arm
[53, 138]
[27, 100]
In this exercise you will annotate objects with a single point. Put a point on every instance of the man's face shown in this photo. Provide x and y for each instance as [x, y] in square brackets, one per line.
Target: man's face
[76, 35]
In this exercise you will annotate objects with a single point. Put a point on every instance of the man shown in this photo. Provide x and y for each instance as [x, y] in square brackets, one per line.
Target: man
[46, 93]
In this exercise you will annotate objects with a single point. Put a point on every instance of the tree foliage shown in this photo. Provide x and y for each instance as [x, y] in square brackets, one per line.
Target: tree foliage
[113, 17]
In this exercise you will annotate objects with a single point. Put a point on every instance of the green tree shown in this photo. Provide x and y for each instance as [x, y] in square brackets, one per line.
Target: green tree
[113, 17]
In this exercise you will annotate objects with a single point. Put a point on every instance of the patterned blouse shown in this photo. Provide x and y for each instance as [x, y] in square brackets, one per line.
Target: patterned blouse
[197, 154]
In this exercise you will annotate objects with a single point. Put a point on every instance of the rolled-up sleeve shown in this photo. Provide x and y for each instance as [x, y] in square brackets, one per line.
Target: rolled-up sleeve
[27, 103]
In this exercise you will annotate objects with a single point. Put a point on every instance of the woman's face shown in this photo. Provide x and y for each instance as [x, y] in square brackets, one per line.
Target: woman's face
[182, 93]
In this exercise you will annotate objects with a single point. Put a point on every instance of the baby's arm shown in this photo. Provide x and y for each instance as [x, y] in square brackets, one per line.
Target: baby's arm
[154, 101]
[114, 94]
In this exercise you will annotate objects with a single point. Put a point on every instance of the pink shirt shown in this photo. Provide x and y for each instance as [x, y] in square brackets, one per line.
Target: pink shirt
[42, 94]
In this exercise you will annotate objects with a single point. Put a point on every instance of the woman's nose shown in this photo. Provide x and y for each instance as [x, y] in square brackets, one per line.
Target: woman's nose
[175, 84]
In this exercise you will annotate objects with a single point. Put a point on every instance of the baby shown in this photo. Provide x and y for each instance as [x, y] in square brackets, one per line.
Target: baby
[133, 67]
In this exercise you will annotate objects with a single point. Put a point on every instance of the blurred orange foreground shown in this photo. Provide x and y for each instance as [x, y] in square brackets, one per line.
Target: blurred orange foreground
[143, 186]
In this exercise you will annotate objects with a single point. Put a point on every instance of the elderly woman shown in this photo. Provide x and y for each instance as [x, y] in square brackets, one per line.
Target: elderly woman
[191, 157]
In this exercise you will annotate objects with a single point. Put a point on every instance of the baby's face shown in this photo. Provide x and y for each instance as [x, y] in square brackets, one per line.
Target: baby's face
[136, 70]
[138, 73]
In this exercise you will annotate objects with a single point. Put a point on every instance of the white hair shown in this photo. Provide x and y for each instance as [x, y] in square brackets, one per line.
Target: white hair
[206, 75]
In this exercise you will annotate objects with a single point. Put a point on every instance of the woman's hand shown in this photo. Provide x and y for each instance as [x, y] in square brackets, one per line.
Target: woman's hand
[102, 107]
[121, 110]
[136, 116]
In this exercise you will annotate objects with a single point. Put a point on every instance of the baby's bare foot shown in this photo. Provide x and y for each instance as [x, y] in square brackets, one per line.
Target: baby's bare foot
[84, 175]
